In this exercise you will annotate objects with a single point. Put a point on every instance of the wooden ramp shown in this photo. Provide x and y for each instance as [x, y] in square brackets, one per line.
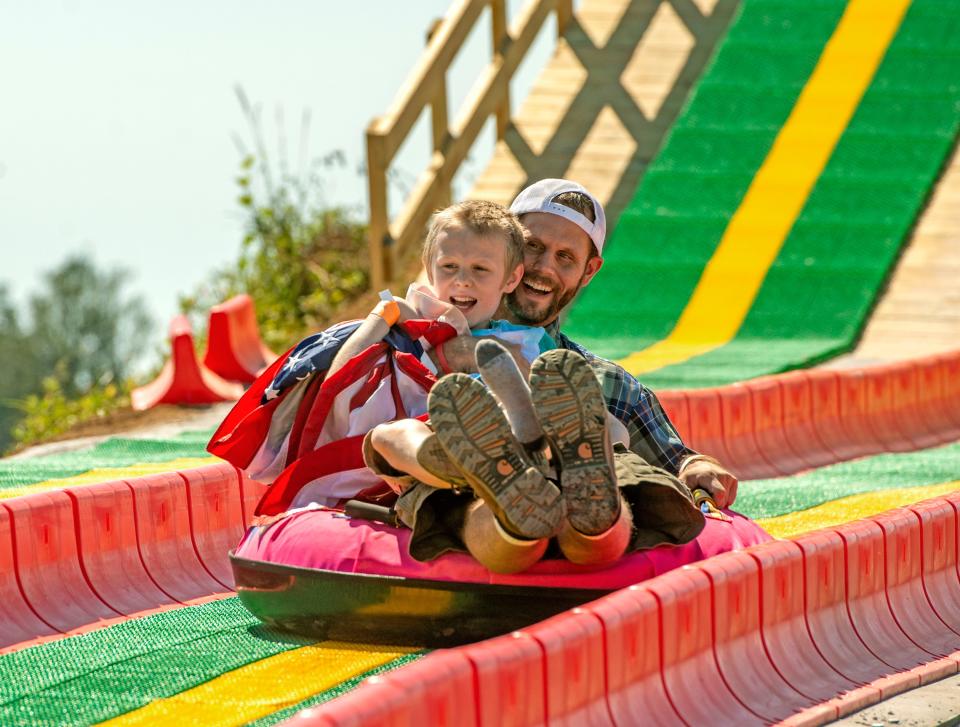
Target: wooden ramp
[919, 313]
[600, 109]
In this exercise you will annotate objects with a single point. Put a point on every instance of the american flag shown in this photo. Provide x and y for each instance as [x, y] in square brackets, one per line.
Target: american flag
[302, 432]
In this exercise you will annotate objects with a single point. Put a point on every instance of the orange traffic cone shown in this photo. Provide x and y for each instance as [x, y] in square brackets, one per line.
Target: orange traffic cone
[234, 348]
[183, 379]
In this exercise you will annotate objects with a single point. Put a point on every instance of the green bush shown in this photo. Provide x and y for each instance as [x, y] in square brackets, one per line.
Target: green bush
[54, 411]
[300, 259]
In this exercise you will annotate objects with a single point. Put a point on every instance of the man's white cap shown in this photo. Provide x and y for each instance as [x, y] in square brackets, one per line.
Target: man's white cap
[538, 197]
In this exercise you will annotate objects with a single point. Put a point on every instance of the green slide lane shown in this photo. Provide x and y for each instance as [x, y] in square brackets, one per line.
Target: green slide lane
[110, 672]
[113, 452]
[769, 498]
[820, 290]
[688, 194]
[822, 286]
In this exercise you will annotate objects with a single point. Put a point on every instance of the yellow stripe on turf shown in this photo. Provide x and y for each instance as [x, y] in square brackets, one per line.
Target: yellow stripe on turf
[263, 687]
[756, 232]
[850, 508]
[107, 474]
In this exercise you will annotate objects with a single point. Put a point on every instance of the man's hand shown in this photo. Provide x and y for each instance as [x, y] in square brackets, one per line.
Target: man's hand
[460, 354]
[706, 473]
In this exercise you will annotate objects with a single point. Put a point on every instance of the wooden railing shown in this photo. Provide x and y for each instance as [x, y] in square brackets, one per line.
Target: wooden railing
[451, 142]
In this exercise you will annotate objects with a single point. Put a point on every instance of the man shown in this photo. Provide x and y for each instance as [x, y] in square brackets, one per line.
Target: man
[565, 228]
[565, 232]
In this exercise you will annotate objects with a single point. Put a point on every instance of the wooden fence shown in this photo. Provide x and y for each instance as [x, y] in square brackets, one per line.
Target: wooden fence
[451, 142]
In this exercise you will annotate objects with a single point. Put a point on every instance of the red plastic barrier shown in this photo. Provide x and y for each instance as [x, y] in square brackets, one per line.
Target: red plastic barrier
[827, 418]
[827, 618]
[904, 380]
[109, 552]
[743, 638]
[437, 690]
[930, 398]
[635, 688]
[854, 411]
[575, 669]
[883, 417]
[183, 380]
[799, 425]
[738, 646]
[675, 405]
[48, 564]
[950, 368]
[766, 395]
[693, 681]
[19, 622]
[250, 493]
[938, 558]
[706, 424]
[904, 584]
[510, 681]
[234, 349]
[216, 516]
[746, 458]
[166, 544]
[867, 599]
[783, 628]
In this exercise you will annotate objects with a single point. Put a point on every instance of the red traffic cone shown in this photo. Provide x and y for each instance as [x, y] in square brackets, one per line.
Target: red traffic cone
[183, 379]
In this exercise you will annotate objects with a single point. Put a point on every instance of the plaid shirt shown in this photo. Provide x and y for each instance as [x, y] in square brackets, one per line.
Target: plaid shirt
[652, 436]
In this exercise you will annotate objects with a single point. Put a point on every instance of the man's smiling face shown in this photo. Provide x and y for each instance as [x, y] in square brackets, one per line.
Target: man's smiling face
[558, 260]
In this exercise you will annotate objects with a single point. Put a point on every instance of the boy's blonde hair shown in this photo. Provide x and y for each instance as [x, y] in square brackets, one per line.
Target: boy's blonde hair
[480, 218]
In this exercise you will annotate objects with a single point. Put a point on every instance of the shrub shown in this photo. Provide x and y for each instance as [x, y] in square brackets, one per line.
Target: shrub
[299, 260]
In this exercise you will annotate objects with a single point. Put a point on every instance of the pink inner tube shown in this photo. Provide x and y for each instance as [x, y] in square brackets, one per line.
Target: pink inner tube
[327, 540]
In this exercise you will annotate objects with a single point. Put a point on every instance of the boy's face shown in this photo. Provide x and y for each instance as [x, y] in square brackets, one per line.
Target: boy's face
[468, 270]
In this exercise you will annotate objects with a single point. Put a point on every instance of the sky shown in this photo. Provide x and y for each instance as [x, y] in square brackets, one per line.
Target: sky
[118, 120]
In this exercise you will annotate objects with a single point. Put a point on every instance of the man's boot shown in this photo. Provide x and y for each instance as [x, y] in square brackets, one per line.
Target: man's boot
[572, 411]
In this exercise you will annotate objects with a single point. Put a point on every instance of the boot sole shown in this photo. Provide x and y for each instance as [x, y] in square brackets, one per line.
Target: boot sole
[476, 435]
[572, 411]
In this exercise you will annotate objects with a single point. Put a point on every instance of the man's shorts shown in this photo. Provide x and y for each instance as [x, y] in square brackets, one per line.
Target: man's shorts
[662, 508]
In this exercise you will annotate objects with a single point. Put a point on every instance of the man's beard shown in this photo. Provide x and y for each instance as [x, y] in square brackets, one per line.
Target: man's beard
[529, 314]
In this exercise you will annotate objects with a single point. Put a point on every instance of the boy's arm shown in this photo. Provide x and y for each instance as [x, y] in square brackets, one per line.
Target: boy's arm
[373, 330]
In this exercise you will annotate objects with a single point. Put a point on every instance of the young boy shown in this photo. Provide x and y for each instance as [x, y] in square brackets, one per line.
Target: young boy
[472, 256]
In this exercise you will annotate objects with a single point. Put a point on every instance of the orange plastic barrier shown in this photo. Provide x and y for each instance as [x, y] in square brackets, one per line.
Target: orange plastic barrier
[234, 349]
[216, 517]
[48, 562]
[510, 680]
[183, 380]
[86, 556]
[20, 622]
[795, 632]
[166, 542]
[108, 550]
[706, 424]
[739, 434]
[779, 425]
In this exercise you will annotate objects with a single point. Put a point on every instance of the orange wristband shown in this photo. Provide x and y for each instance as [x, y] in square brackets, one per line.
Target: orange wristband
[388, 310]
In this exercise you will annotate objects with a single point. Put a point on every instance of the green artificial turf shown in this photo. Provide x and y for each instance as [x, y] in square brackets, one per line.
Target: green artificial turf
[113, 452]
[825, 281]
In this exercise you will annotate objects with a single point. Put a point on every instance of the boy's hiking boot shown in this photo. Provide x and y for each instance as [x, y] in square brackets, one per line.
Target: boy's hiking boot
[475, 433]
[508, 386]
[572, 410]
[435, 460]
